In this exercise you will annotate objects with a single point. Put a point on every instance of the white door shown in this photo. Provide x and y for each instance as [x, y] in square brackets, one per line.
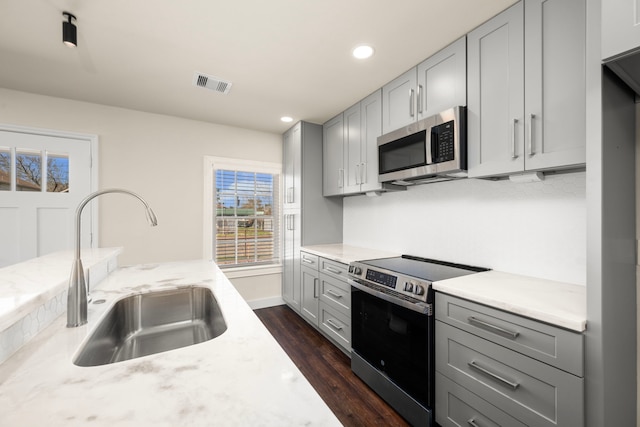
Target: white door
[43, 178]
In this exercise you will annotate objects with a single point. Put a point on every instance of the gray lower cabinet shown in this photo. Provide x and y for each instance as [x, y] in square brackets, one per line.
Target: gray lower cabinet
[326, 298]
[309, 287]
[497, 368]
[526, 89]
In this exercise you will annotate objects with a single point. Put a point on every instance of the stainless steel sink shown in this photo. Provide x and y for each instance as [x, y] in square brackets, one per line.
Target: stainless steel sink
[154, 322]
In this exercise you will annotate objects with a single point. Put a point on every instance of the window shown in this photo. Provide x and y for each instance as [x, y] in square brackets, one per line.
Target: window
[24, 169]
[244, 212]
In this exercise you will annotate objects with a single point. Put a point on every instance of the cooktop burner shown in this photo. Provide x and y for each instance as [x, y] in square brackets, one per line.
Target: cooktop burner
[423, 268]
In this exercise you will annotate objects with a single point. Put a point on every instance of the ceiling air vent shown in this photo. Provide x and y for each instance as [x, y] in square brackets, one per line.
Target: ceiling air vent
[212, 83]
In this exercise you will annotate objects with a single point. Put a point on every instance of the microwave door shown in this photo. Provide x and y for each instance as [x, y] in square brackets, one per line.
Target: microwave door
[405, 153]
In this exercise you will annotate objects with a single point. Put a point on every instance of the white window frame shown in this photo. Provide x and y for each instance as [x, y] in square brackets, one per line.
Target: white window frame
[211, 163]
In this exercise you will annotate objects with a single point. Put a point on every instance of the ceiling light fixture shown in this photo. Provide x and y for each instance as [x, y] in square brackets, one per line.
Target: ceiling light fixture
[286, 119]
[69, 31]
[363, 52]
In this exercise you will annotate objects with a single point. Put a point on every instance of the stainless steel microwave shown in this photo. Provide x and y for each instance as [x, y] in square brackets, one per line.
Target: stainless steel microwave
[431, 149]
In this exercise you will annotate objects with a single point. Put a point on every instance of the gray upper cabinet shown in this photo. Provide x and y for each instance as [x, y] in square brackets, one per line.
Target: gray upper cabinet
[333, 156]
[442, 80]
[434, 85]
[620, 27]
[495, 85]
[350, 148]
[399, 101]
[291, 167]
[526, 89]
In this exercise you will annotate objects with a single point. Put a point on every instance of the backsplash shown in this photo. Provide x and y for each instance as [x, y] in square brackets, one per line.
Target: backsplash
[535, 229]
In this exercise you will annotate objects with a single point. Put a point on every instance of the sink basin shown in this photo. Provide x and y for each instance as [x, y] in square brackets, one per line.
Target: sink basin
[154, 322]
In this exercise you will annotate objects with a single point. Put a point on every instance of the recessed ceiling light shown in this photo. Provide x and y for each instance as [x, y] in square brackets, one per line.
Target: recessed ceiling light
[363, 52]
[286, 119]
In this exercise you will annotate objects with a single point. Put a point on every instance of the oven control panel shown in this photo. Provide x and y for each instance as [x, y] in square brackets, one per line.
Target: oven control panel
[395, 283]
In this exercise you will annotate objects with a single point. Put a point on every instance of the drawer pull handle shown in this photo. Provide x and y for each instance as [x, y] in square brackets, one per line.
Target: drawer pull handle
[308, 261]
[493, 328]
[333, 270]
[315, 287]
[485, 371]
[472, 422]
[334, 325]
[333, 294]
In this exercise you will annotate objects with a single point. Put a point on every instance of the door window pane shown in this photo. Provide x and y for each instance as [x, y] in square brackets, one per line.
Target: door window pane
[28, 170]
[5, 169]
[57, 173]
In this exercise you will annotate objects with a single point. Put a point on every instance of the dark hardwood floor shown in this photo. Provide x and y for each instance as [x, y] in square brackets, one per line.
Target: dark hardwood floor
[328, 370]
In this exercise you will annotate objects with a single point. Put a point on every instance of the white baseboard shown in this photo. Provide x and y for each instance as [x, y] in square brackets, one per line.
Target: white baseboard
[265, 302]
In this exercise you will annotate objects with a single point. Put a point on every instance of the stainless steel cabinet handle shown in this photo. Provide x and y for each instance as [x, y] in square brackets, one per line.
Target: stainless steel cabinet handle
[307, 260]
[472, 423]
[334, 325]
[290, 195]
[419, 99]
[363, 173]
[333, 294]
[495, 376]
[530, 150]
[340, 178]
[513, 142]
[315, 287]
[412, 112]
[289, 222]
[333, 270]
[357, 174]
[493, 328]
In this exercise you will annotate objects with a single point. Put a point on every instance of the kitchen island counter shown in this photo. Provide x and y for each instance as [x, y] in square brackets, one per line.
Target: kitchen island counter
[243, 377]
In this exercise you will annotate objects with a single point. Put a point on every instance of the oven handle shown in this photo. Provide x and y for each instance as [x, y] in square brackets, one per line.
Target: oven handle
[420, 307]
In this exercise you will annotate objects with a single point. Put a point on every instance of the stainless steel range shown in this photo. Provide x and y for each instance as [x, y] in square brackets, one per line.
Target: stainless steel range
[392, 330]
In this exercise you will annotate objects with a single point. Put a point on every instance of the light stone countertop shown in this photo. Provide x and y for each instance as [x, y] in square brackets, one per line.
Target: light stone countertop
[241, 378]
[26, 285]
[345, 253]
[557, 303]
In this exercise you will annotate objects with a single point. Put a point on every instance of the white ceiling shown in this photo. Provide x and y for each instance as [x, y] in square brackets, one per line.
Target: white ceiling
[284, 57]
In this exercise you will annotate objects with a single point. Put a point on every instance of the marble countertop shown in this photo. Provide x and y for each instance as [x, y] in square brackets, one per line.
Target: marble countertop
[557, 303]
[243, 377]
[345, 253]
[26, 285]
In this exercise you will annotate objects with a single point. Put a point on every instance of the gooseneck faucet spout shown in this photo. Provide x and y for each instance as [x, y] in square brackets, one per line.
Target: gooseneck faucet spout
[77, 297]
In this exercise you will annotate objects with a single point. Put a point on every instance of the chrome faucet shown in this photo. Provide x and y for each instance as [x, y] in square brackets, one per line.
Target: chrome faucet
[77, 297]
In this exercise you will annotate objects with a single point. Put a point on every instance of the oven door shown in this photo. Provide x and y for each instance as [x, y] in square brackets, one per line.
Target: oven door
[396, 341]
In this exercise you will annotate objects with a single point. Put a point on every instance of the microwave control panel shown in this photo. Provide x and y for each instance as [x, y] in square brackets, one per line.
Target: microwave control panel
[443, 142]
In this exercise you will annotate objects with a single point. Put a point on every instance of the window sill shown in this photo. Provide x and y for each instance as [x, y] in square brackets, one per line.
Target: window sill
[255, 270]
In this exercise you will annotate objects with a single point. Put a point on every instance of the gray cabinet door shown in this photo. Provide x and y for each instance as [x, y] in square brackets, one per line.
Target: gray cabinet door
[291, 260]
[442, 80]
[370, 130]
[555, 96]
[352, 141]
[292, 160]
[333, 157]
[495, 85]
[310, 298]
[399, 101]
[620, 27]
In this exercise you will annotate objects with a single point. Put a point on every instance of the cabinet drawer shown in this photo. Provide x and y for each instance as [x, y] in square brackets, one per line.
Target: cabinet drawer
[309, 260]
[457, 407]
[336, 325]
[335, 269]
[529, 390]
[336, 294]
[555, 346]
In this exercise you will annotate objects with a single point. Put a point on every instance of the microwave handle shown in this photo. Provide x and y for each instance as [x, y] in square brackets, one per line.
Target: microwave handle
[434, 145]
